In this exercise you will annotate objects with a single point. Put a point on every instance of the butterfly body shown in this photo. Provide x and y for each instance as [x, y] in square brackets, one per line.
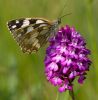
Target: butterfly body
[32, 33]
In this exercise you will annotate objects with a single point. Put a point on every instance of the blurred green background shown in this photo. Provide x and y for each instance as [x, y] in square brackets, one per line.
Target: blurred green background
[22, 76]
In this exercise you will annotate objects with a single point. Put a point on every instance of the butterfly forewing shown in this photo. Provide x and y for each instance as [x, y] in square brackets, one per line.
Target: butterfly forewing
[30, 33]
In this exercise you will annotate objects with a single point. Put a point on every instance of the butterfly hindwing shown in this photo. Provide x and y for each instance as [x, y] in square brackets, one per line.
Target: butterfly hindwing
[30, 33]
[35, 39]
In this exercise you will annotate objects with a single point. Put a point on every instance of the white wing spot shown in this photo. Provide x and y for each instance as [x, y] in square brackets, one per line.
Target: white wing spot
[42, 25]
[29, 29]
[39, 21]
[17, 21]
[35, 42]
[25, 23]
[38, 45]
[14, 26]
[19, 35]
[28, 50]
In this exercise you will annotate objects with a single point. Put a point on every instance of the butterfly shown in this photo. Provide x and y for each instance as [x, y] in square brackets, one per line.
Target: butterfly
[32, 33]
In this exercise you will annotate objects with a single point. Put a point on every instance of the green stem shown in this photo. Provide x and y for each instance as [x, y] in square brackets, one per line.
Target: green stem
[57, 95]
[72, 94]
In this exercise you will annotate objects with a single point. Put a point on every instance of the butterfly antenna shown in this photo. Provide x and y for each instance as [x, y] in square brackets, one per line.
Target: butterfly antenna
[63, 9]
[65, 15]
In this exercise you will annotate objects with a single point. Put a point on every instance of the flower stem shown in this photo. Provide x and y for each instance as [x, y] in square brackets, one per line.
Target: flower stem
[72, 94]
[57, 95]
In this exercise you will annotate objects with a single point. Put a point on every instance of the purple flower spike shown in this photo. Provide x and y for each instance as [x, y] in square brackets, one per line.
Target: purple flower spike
[66, 58]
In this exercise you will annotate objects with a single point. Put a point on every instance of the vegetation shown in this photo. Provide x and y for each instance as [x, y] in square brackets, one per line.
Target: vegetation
[22, 76]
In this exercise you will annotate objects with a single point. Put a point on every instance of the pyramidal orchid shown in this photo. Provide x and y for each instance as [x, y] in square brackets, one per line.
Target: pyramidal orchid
[66, 58]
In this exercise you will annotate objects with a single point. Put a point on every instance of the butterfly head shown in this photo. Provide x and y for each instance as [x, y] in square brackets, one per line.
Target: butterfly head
[58, 21]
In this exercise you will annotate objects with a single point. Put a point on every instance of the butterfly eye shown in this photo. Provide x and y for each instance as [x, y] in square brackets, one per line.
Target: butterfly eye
[59, 20]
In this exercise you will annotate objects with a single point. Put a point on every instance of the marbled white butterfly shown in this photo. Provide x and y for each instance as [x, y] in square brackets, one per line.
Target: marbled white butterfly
[33, 33]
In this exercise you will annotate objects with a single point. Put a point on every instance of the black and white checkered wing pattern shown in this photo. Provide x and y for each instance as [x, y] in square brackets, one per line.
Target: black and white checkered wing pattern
[30, 33]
